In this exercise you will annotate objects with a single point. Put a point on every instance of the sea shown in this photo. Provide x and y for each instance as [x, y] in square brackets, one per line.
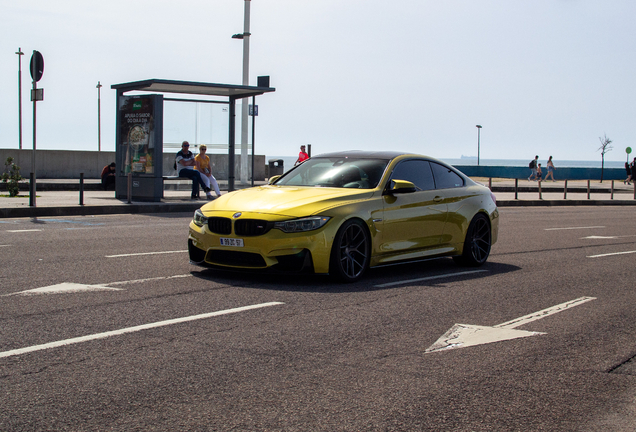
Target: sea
[288, 162]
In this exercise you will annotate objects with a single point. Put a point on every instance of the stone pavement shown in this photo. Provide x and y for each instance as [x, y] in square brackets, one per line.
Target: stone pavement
[54, 199]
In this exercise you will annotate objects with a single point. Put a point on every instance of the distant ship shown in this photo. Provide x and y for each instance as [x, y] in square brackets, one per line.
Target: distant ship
[468, 157]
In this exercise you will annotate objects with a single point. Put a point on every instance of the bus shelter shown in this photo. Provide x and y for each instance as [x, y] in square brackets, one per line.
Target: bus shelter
[139, 133]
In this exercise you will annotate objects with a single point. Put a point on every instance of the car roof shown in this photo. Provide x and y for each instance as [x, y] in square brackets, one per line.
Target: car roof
[365, 154]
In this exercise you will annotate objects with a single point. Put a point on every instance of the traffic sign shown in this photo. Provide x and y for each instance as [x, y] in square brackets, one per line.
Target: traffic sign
[628, 150]
[37, 66]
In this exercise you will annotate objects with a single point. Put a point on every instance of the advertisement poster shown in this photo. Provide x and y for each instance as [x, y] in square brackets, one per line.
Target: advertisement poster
[136, 119]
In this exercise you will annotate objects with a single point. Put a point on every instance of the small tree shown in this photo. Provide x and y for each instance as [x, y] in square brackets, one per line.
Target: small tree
[11, 177]
[604, 148]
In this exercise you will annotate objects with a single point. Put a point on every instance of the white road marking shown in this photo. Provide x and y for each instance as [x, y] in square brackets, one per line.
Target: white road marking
[610, 254]
[108, 334]
[23, 230]
[572, 228]
[62, 288]
[428, 278]
[69, 287]
[465, 335]
[607, 237]
[599, 237]
[144, 253]
[148, 279]
[5, 245]
[544, 313]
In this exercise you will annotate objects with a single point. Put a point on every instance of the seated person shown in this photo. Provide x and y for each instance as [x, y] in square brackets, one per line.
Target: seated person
[108, 176]
[203, 167]
[185, 165]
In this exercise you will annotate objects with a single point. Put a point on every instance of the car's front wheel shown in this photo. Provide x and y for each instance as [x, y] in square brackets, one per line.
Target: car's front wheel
[350, 252]
[477, 243]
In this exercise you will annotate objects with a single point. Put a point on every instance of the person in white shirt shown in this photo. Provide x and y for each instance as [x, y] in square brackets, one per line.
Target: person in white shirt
[185, 165]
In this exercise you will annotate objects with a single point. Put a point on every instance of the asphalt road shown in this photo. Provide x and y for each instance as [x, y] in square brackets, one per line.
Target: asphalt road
[141, 340]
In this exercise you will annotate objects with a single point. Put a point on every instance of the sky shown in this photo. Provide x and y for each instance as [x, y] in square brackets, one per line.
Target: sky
[544, 77]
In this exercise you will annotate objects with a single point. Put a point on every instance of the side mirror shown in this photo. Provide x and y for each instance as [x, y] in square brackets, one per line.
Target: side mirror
[273, 179]
[401, 186]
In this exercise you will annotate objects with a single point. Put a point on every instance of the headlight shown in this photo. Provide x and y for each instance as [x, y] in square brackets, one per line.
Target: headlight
[199, 219]
[302, 225]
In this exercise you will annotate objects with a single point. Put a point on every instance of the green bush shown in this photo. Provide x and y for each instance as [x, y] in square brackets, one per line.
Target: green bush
[11, 177]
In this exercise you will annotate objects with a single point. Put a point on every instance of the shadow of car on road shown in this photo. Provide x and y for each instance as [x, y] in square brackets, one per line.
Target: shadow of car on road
[422, 273]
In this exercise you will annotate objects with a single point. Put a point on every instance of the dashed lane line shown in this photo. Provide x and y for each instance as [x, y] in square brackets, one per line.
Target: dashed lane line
[610, 254]
[145, 253]
[447, 275]
[572, 228]
[138, 328]
[148, 279]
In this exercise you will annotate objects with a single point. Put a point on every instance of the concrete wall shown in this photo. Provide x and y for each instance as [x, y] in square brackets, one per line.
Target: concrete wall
[68, 164]
[59, 163]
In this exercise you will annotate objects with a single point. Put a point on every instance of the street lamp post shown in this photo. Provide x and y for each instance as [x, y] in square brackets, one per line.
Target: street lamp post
[478, 141]
[20, 54]
[246, 67]
[99, 117]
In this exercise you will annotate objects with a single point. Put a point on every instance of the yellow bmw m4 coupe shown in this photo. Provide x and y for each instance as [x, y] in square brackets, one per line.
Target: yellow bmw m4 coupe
[343, 213]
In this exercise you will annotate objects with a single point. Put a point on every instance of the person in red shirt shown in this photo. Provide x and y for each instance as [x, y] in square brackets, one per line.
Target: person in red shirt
[302, 156]
[108, 175]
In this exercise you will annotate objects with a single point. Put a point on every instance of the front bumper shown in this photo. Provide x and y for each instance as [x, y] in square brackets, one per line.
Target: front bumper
[273, 250]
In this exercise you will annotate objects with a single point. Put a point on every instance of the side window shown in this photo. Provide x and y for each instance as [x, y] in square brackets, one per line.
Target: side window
[446, 178]
[417, 172]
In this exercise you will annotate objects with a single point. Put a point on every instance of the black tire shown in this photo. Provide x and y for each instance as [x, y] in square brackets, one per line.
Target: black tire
[350, 253]
[477, 243]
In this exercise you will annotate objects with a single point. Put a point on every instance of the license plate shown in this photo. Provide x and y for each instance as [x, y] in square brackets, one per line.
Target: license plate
[231, 242]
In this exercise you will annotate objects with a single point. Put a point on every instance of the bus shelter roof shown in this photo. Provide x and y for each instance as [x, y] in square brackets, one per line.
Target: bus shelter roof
[189, 87]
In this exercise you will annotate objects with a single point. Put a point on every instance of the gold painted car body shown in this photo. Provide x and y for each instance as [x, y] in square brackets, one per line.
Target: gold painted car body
[402, 223]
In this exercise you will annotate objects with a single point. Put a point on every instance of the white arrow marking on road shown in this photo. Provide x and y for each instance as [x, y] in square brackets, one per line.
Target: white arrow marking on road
[68, 287]
[465, 335]
[63, 288]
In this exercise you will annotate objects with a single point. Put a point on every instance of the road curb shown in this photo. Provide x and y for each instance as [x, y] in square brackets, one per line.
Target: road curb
[98, 210]
[563, 203]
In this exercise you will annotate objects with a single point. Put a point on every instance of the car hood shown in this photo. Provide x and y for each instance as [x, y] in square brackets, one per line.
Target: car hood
[294, 201]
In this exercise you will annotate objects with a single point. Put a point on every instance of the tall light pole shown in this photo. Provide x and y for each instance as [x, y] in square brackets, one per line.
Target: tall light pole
[20, 54]
[99, 117]
[478, 139]
[246, 80]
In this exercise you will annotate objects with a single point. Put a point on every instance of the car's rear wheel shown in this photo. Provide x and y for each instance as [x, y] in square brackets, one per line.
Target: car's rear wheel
[477, 243]
[350, 252]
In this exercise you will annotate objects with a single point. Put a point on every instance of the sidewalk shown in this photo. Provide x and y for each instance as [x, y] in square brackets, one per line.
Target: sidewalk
[55, 201]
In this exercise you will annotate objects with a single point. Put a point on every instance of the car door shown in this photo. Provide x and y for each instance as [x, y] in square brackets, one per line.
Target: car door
[450, 185]
[412, 222]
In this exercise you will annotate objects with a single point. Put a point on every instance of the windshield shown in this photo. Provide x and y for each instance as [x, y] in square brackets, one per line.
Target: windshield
[336, 172]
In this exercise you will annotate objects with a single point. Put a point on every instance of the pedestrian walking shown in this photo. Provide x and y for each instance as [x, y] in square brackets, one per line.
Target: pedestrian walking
[302, 156]
[550, 173]
[533, 166]
[628, 171]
